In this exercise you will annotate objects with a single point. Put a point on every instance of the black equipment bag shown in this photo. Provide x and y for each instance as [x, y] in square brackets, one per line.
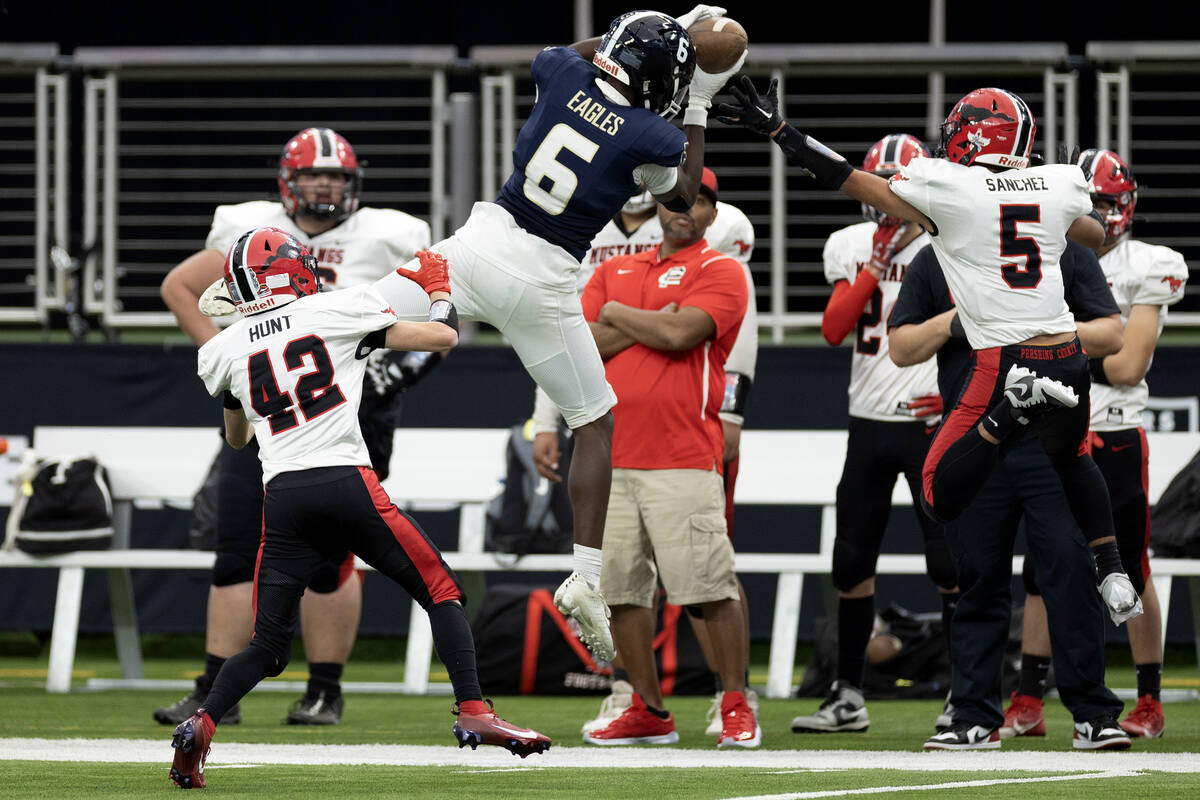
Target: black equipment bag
[61, 505]
[526, 646]
[1175, 518]
[531, 515]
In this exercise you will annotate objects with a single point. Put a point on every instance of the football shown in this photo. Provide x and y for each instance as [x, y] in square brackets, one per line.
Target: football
[719, 43]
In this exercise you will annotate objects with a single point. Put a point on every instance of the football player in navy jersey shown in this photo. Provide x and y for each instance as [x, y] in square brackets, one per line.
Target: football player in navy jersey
[1023, 485]
[598, 130]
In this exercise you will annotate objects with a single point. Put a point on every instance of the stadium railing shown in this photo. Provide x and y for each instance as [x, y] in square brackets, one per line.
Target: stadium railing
[462, 468]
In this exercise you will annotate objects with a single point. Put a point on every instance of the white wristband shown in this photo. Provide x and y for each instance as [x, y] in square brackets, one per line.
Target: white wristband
[695, 115]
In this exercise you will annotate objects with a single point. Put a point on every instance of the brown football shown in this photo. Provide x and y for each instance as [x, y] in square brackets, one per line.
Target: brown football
[719, 42]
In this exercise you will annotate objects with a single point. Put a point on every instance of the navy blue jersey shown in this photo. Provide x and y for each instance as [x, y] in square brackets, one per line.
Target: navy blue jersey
[924, 294]
[575, 155]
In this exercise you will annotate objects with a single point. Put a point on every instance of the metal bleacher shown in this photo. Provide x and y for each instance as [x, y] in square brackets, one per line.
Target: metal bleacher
[168, 133]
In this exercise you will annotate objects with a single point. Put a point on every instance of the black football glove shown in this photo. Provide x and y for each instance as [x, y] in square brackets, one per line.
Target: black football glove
[389, 373]
[758, 113]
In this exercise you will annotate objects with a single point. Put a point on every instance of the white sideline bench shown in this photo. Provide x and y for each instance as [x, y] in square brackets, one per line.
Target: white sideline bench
[461, 467]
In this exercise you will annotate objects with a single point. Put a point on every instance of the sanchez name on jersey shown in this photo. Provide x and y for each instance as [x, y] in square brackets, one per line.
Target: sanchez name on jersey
[879, 389]
[999, 239]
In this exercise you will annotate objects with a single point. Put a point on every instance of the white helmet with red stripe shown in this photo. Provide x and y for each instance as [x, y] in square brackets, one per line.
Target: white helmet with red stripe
[886, 157]
[267, 268]
[989, 126]
[319, 149]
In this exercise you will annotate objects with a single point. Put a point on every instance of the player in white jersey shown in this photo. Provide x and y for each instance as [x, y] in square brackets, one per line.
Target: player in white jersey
[893, 414]
[1144, 279]
[291, 373]
[319, 181]
[998, 227]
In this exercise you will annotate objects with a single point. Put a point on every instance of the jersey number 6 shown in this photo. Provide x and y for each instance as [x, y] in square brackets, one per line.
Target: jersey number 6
[1016, 276]
[544, 165]
[315, 390]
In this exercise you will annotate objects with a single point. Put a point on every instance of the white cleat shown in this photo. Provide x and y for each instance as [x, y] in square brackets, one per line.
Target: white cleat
[575, 599]
[1122, 601]
[1025, 389]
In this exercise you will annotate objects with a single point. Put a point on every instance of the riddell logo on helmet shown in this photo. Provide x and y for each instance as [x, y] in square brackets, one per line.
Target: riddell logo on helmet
[1006, 161]
[606, 65]
[259, 305]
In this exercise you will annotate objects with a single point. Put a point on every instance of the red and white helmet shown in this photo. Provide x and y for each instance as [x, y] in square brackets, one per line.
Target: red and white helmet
[989, 126]
[319, 149]
[1110, 178]
[267, 268]
[886, 157]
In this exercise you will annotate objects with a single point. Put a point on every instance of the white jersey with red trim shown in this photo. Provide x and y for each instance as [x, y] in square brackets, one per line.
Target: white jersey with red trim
[732, 234]
[879, 389]
[999, 239]
[369, 244]
[613, 240]
[1138, 274]
[298, 372]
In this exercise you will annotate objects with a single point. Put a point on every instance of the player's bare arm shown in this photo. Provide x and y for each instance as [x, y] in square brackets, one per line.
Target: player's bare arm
[433, 337]
[238, 430]
[665, 329]
[687, 180]
[609, 340]
[1128, 366]
[587, 48]
[181, 291]
[1101, 336]
[1087, 230]
[916, 343]
[876, 191]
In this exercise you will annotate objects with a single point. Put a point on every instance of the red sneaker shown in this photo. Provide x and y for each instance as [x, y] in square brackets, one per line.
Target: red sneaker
[739, 727]
[636, 725]
[478, 724]
[1023, 717]
[1146, 719]
[191, 741]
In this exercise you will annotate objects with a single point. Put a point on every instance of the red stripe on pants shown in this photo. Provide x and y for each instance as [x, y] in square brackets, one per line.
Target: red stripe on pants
[262, 539]
[424, 557]
[964, 416]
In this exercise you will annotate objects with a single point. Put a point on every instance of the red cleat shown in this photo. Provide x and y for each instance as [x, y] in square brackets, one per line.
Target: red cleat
[478, 724]
[1146, 719]
[1023, 717]
[739, 726]
[191, 741]
[636, 725]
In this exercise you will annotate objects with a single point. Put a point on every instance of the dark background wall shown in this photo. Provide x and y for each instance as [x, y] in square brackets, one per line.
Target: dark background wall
[796, 387]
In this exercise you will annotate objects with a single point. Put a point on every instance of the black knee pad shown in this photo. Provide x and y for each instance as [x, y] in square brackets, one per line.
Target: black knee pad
[940, 564]
[230, 568]
[1029, 578]
[852, 564]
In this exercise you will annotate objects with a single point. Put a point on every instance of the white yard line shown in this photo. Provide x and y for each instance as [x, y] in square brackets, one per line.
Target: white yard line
[236, 753]
[934, 786]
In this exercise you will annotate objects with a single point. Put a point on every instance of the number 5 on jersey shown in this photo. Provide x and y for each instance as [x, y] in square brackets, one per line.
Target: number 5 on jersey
[315, 390]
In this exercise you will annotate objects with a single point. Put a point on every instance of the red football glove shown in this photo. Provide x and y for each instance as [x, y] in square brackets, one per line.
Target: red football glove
[434, 274]
[926, 406]
[883, 244]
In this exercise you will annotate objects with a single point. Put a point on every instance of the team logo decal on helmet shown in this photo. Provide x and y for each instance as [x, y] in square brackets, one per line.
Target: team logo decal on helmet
[989, 126]
[652, 54]
[1109, 178]
[267, 268]
[885, 158]
[319, 149]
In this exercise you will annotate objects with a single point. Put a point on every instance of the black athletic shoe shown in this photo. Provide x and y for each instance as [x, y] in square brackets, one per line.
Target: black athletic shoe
[964, 736]
[1102, 733]
[316, 710]
[179, 712]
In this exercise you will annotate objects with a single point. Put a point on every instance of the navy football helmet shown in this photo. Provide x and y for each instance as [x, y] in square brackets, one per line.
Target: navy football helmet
[653, 55]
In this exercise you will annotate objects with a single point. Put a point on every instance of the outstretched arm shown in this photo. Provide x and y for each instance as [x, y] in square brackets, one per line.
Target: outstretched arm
[760, 113]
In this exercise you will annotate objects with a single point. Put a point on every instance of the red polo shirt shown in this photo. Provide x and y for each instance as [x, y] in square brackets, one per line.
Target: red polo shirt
[667, 401]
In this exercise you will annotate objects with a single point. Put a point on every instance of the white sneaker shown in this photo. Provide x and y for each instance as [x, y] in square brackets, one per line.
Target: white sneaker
[844, 711]
[1025, 388]
[713, 715]
[575, 599]
[1122, 601]
[945, 719]
[620, 698]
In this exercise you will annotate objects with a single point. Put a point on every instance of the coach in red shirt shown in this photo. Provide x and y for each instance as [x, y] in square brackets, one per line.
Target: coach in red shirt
[664, 322]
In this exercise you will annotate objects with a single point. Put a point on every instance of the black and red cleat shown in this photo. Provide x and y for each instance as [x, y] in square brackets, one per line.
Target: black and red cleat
[478, 724]
[191, 741]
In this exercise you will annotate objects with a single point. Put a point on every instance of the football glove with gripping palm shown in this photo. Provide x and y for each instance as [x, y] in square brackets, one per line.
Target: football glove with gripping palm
[433, 275]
